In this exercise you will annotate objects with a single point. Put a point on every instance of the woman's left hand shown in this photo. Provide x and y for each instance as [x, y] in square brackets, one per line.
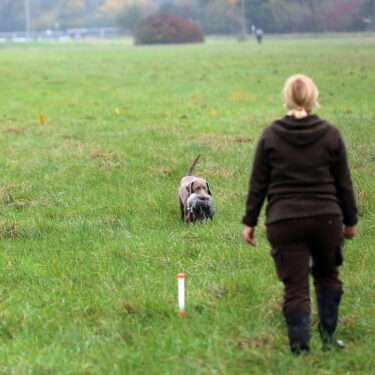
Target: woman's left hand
[249, 235]
[350, 232]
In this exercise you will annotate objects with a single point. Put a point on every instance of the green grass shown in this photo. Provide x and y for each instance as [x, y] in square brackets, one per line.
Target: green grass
[90, 236]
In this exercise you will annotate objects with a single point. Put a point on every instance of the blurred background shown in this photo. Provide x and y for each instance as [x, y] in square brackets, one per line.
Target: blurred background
[75, 19]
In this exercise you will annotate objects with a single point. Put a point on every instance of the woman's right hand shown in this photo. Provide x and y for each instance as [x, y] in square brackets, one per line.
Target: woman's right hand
[350, 232]
[249, 235]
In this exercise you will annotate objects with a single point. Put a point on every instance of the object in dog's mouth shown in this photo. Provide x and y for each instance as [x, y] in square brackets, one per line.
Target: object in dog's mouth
[201, 208]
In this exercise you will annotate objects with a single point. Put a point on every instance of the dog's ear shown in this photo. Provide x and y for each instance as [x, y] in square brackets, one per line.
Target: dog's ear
[208, 189]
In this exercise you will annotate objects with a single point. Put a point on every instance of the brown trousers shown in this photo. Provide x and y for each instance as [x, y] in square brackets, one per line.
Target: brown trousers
[297, 241]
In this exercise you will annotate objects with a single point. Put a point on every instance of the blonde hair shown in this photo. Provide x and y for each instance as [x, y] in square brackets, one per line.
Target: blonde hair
[300, 95]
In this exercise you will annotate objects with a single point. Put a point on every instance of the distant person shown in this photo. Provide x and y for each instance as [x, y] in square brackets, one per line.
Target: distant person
[259, 34]
[301, 166]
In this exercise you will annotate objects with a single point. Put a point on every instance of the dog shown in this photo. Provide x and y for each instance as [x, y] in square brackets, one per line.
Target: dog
[195, 197]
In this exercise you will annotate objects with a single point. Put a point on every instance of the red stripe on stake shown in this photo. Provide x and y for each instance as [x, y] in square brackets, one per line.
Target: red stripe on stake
[181, 275]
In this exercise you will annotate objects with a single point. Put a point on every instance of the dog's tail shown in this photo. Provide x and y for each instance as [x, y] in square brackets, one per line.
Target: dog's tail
[193, 164]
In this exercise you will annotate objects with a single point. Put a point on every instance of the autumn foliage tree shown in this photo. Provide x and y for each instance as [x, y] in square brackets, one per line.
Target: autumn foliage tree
[167, 29]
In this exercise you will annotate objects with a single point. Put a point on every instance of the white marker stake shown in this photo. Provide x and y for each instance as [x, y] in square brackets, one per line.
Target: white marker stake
[181, 294]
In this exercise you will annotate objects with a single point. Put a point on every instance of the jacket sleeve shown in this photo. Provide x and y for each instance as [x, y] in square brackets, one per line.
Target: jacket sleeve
[344, 185]
[258, 186]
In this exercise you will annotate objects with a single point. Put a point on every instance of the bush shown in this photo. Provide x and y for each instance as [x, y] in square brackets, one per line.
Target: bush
[167, 29]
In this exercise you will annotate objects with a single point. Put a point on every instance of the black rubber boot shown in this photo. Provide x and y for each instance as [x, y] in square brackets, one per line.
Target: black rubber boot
[328, 308]
[298, 332]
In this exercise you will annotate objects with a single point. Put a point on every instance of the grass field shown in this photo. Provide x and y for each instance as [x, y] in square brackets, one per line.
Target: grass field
[94, 139]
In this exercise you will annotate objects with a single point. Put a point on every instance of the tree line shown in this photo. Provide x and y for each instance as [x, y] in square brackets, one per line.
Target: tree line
[214, 16]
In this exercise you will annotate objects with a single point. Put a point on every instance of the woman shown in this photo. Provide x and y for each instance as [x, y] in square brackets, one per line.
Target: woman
[301, 166]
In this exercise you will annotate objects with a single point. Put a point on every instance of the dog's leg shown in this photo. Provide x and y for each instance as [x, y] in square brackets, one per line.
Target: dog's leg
[186, 215]
[189, 218]
[182, 209]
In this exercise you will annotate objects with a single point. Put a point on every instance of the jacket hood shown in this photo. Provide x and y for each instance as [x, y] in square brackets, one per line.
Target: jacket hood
[300, 132]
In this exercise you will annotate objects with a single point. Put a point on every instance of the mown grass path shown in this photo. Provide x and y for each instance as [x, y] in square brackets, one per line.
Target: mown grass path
[94, 139]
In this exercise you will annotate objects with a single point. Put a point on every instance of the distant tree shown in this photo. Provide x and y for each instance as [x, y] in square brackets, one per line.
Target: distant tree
[64, 13]
[291, 16]
[214, 16]
[129, 17]
[315, 15]
[246, 13]
[259, 13]
[112, 8]
[12, 15]
[126, 14]
[366, 17]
